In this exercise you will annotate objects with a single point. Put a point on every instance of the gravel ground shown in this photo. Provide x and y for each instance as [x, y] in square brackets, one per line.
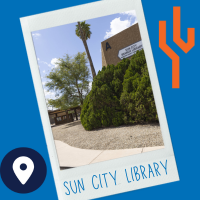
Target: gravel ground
[122, 137]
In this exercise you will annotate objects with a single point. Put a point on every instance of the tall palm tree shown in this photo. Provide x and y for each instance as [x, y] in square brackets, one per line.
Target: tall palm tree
[83, 32]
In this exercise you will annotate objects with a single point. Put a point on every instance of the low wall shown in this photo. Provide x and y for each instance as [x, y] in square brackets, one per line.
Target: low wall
[63, 119]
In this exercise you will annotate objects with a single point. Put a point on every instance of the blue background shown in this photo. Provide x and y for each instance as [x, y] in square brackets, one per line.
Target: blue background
[20, 118]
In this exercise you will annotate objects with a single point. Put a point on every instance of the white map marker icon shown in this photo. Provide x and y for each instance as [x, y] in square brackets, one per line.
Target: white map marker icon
[23, 175]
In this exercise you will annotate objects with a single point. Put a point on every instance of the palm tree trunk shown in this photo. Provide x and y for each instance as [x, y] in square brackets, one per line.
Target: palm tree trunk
[87, 51]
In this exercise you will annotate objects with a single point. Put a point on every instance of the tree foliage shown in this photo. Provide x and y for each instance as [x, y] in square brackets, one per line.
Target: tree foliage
[120, 94]
[70, 80]
[86, 30]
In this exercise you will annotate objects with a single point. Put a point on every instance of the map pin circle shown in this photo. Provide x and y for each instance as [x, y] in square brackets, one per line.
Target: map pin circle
[23, 170]
[23, 174]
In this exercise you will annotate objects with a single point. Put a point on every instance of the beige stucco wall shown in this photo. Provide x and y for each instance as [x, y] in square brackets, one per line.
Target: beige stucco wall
[119, 41]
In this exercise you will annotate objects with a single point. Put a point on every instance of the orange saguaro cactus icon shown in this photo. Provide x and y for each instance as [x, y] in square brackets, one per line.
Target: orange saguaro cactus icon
[177, 39]
[177, 32]
[170, 53]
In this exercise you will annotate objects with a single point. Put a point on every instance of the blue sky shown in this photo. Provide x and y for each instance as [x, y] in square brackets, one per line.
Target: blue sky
[53, 43]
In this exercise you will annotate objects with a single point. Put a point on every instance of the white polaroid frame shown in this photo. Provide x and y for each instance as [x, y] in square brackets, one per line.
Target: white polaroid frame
[85, 12]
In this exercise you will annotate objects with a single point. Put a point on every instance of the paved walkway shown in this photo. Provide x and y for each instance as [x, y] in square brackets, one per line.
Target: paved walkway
[74, 157]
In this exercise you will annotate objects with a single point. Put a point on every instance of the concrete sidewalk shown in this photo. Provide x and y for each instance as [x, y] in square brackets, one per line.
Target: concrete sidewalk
[74, 157]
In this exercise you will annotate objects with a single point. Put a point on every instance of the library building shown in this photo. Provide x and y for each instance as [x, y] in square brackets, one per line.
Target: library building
[122, 45]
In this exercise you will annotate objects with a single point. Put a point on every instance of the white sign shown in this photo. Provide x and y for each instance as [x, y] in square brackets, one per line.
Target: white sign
[130, 50]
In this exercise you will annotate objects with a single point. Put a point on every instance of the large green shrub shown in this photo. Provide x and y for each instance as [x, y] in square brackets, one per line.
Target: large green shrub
[120, 94]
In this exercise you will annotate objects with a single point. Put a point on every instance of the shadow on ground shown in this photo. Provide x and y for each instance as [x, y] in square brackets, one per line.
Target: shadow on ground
[68, 125]
[75, 123]
[127, 125]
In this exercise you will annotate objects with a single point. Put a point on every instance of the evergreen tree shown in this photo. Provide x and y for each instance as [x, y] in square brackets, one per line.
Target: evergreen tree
[120, 94]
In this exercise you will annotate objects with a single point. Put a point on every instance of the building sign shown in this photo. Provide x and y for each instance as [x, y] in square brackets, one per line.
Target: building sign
[130, 50]
[108, 46]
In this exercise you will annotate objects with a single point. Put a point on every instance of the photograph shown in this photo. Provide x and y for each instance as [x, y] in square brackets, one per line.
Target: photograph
[97, 89]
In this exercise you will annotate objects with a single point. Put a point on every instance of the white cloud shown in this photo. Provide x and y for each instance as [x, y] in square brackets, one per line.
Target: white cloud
[49, 94]
[36, 35]
[117, 25]
[54, 62]
[131, 12]
[132, 15]
[90, 85]
[43, 71]
[44, 82]
[49, 65]
[135, 22]
[46, 63]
